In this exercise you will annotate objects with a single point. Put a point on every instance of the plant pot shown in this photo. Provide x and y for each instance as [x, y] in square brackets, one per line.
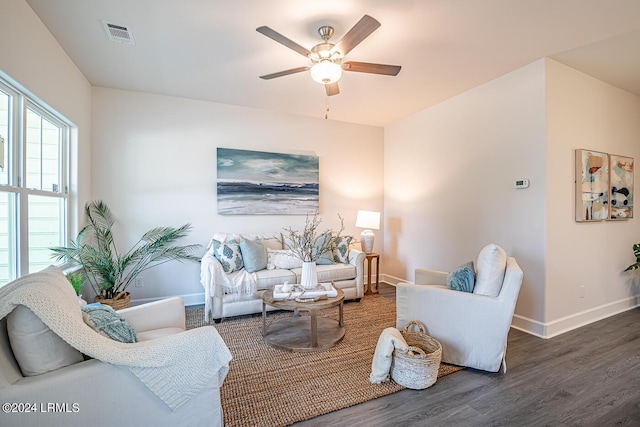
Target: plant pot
[120, 301]
[309, 278]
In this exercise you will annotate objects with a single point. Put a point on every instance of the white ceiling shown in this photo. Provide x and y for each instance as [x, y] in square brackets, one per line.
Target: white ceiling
[209, 49]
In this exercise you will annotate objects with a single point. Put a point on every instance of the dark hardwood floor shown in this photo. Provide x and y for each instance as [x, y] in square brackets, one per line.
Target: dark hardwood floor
[586, 377]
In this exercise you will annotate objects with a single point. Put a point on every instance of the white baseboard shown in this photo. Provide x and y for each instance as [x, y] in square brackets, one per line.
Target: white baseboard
[522, 323]
[558, 326]
[189, 299]
[391, 280]
[573, 321]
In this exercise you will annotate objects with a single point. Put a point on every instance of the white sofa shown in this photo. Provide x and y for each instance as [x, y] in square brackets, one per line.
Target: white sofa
[221, 302]
[91, 392]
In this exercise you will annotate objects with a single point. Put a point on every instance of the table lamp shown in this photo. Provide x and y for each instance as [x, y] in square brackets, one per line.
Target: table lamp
[367, 220]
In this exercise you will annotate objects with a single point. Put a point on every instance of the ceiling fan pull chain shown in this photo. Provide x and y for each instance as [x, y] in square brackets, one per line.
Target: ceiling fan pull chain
[326, 114]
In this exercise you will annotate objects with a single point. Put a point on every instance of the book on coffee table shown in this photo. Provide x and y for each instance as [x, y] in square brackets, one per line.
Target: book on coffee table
[327, 290]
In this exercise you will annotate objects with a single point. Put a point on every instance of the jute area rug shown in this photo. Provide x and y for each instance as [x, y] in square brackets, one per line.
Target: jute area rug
[270, 387]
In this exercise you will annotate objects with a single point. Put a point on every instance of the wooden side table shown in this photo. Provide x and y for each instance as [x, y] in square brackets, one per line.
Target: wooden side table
[370, 257]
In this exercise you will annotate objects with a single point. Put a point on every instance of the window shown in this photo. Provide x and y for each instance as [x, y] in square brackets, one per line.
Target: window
[34, 142]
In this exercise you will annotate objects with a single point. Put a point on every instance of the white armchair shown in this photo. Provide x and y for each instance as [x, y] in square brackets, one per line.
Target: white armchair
[91, 391]
[472, 328]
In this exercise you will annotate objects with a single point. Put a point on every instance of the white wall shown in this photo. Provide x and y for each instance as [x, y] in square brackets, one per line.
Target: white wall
[449, 182]
[449, 173]
[584, 112]
[154, 164]
[34, 59]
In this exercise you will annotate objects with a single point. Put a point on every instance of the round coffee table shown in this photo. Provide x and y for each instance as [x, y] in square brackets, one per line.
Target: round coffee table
[303, 333]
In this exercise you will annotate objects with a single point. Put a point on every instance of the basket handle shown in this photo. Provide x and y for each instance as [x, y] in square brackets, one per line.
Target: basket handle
[120, 295]
[420, 353]
[417, 323]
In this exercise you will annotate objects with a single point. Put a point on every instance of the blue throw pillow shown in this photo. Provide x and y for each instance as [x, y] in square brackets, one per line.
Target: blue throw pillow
[228, 253]
[462, 278]
[254, 255]
[104, 320]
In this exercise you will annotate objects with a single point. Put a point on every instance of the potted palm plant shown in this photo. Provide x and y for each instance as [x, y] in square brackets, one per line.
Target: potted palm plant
[110, 272]
[636, 252]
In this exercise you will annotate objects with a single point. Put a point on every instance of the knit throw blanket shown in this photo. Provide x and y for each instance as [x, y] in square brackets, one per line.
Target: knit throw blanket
[389, 340]
[174, 367]
[216, 282]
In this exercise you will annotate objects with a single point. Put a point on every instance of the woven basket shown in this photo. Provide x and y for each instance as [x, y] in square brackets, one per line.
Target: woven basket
[120, 301]
[420, 369]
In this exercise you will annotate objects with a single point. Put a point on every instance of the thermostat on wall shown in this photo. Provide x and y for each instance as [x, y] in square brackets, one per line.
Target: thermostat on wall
[522, 183]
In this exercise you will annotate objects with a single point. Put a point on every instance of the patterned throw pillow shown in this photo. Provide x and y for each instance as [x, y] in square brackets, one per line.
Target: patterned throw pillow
[105, 321]
[342, 250]
[228, 253]
[462, 278]
[327, 257]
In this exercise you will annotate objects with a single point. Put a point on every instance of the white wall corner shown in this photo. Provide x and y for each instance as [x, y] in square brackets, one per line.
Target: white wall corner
[574, 321]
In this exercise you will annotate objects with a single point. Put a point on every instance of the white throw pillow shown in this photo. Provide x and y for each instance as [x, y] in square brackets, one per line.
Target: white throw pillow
[282, 259]
[491, 264]
[37, 348]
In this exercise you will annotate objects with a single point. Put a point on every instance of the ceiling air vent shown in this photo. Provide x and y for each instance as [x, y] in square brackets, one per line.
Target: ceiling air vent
[118, 33]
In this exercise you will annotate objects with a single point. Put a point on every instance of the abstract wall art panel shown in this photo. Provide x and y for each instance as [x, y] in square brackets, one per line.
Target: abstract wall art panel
[621, 185]
[592, 186]
[256, 182]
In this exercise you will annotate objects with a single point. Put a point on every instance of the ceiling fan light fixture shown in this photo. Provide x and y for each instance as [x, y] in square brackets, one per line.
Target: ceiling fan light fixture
[326, 72]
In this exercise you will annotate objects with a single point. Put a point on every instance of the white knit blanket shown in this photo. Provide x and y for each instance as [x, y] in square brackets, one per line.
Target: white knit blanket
[174, 367]
[216, 282]
[389, 340]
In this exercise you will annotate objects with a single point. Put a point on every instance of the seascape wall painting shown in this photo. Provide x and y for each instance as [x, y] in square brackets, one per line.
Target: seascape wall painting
[592, 186]
[256, 182]
[621, 184]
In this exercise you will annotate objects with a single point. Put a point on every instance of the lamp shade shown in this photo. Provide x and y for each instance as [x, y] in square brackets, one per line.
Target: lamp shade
[326, 72]
[368, 219]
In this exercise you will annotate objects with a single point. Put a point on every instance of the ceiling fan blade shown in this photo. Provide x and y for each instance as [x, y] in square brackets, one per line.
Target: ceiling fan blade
[274, 35]
[332, 89]
[359, 32]
[367, 67]
[284, 73]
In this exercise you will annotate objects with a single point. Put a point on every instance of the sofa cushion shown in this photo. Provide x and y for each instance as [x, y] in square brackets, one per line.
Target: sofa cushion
[105, 321]
[228, 253]
[273, 241]
[491, 264]
[36, 348]
[254, 255]
[267, 279]
[462, 278]
[328, 273]
[282, 259]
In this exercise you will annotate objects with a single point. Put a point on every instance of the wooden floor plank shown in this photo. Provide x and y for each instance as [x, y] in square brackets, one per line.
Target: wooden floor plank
[588, 377]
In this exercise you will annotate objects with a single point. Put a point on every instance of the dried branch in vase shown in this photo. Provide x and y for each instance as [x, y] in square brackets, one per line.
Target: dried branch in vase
[309, 244]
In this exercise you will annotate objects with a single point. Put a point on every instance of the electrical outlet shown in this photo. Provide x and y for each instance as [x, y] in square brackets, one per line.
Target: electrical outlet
[581, 291]
[139, 282]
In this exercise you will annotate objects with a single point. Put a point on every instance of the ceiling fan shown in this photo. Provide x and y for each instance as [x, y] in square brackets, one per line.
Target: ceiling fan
[326, 58]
